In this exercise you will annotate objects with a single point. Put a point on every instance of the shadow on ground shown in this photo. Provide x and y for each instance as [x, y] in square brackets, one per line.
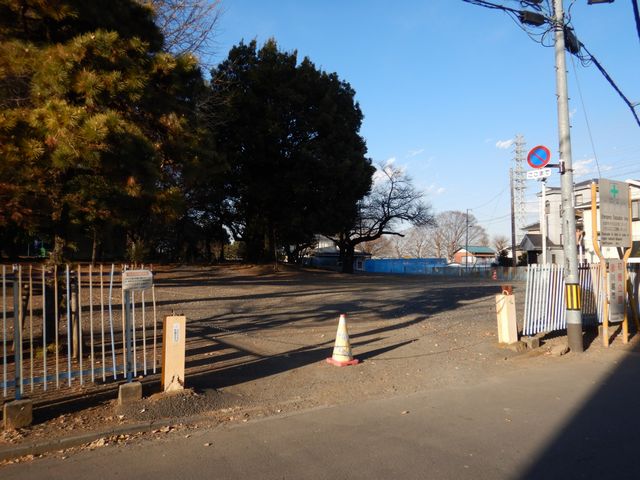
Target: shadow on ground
[214, 359]
[602, 439]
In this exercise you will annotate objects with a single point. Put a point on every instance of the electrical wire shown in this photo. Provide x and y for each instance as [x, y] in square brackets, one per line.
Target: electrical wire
[585, 60]
[612, 83]
[586, 118]
[514, 14]
[636, 14]
[494, 219]
[491, 5]
[489, 201]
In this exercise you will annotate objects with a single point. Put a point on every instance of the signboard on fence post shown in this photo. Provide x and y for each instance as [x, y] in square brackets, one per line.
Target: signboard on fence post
[132, 281]
[614, 214]
[616, 290]
[137, 280]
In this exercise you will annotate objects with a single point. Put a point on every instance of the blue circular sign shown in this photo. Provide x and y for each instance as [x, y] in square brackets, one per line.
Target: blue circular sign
[539, 157]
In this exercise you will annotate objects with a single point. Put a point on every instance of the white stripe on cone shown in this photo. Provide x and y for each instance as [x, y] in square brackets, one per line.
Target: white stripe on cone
[342, 348]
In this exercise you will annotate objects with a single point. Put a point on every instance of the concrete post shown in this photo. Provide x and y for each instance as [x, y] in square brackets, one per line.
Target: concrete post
[574, 316]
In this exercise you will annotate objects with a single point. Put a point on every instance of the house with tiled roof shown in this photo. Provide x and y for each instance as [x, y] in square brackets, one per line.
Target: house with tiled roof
[474, 256]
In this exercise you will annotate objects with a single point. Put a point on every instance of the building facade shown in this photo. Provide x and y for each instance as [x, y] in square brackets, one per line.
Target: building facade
[544, 240]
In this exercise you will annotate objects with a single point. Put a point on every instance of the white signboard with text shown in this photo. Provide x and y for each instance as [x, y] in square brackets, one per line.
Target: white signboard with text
[616, 290]
[614, 214]
[137, 280]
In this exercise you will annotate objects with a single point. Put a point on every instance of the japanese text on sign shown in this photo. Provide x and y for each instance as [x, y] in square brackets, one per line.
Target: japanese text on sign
[137, 280]
[614, 214]
[616, 290]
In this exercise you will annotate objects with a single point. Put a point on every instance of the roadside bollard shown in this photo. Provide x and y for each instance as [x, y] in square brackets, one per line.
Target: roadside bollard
[506, 316]
[173, 352]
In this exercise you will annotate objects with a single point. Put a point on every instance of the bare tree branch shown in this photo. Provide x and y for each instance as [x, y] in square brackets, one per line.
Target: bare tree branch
[392, 203]
[451, 231]
[188, 26]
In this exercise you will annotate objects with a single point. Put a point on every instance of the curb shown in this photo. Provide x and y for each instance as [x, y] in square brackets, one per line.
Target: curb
[46, 446]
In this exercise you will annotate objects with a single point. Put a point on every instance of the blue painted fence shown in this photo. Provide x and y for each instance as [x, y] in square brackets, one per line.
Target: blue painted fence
[415, 266]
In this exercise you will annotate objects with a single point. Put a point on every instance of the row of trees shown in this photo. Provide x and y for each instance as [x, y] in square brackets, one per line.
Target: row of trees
[449, 232]
[114, 142]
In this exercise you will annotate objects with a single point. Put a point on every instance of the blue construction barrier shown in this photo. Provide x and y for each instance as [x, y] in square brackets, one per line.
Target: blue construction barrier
[439, 266]
[414, 266]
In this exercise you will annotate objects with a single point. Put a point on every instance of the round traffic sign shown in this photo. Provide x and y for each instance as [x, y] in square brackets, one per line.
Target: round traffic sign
[539, 156]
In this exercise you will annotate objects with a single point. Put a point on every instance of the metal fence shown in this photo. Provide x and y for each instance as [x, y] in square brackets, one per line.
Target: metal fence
[63, 327]
[438, 267]
[544, 309]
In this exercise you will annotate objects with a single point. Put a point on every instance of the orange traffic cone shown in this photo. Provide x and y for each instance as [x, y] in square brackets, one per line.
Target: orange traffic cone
[342, 348]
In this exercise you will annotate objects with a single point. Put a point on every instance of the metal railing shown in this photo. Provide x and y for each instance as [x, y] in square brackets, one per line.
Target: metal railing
[65, 326]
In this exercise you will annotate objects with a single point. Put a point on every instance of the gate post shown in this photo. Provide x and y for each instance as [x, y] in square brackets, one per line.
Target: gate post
[17, 329]
[17, 413]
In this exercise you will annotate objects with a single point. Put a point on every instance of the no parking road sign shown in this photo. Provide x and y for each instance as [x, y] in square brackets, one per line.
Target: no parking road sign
[539, 157]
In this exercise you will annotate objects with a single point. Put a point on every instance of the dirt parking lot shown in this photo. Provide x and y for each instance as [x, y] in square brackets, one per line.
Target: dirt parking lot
[258, 340]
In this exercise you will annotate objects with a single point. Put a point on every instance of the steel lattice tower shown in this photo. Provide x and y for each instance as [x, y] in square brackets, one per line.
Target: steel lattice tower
[519, 186]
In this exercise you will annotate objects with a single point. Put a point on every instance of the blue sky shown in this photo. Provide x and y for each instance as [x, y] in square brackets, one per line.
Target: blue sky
[444, 84]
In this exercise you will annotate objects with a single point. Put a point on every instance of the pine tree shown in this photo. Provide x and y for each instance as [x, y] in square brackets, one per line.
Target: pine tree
[94, 119]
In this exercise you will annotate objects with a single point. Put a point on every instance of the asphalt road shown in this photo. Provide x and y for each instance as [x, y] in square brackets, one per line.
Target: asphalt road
[574, 417]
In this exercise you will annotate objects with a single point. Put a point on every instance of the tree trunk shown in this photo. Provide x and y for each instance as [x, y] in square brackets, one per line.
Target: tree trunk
[347, 254]
[94, 247]
[57, 253]
[274, 249]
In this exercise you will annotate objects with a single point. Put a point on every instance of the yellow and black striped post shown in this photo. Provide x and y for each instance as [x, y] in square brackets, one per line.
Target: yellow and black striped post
[572, 296]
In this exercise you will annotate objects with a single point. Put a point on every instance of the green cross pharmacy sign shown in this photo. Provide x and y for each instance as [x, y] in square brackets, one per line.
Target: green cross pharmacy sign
[614, 214]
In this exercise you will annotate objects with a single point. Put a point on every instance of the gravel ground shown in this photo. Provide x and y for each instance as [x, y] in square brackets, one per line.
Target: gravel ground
[258, 340]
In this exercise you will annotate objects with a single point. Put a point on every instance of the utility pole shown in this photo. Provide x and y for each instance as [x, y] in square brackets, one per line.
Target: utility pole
[514, 256]
[543, 220]
[571, 275]
[466, 254]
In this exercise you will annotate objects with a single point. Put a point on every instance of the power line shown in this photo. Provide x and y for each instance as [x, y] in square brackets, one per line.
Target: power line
[586, 117]
[516, 16]
[612, 83]
[636, 14]
[489, 201]
[573, 44]
[494, 219]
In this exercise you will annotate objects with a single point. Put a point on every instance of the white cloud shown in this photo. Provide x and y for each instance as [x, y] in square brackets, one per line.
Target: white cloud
[413, 153]
[582, 168]
[387, 166]
[504, 144]
[588, 167]
[434, 189]
[572, 112]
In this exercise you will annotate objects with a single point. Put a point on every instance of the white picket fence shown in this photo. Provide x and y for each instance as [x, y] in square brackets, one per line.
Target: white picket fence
[544, 309]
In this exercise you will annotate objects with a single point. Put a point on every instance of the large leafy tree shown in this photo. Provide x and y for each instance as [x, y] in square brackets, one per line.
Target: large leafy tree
[290, 135]
[95, 121]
